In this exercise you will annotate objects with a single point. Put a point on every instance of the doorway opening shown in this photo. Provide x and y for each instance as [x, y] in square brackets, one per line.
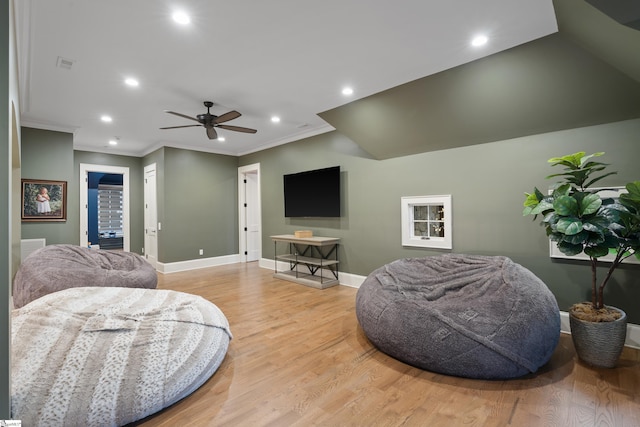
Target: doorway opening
[104, 212]
[104, 215]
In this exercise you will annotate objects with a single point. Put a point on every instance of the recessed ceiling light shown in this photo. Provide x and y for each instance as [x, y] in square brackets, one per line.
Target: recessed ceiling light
[221, 138]
[347, 91]
[480, 40]
[130, 81]
[113, 142]
[106, 119]
[181, 18]
[275, 119]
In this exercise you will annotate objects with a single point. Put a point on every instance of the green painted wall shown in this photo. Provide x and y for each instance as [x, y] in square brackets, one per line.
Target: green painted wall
[136, 189]
[49, 155]
[199, 210]
[197, 195]
[487, 183]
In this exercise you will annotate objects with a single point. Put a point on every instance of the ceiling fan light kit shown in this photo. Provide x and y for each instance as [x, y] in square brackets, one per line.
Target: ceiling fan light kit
[211, 121]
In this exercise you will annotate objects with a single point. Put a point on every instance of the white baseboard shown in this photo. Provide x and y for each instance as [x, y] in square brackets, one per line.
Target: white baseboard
[351, 280]
[194, 264]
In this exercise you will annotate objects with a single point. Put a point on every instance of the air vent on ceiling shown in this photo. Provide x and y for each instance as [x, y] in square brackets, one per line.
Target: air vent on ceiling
[64, 63]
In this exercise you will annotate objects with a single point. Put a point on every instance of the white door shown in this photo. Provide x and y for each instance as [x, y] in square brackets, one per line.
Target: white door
[252, 214]
[150, 215]
[250, 219]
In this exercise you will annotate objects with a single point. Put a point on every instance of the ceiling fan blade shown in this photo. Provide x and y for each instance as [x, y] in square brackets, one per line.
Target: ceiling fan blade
[237, 128]
[211, 133]
[226, 117]
[181, 115]
[185, 126]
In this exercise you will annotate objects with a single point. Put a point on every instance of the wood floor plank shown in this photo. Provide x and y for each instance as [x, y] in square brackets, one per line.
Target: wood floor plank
[299, 358]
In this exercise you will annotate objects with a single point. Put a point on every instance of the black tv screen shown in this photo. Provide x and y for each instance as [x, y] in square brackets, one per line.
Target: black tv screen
[314, 193]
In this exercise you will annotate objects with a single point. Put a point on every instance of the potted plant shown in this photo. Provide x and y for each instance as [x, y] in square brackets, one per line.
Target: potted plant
[579, 220]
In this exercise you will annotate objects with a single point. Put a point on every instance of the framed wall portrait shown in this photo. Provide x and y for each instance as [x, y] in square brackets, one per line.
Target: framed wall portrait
[44, 200]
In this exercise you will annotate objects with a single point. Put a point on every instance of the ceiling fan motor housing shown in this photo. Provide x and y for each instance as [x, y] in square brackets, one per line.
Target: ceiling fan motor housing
[206, 118]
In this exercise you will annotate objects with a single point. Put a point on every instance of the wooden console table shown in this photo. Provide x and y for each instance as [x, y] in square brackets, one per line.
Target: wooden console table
[315, 254]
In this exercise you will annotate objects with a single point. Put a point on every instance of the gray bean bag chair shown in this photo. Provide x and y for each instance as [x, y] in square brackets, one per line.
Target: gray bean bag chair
[468, 316]
[57, 267]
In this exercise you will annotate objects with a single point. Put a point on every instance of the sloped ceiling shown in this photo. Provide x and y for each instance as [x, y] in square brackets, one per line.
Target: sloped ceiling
[614, 42]
[553, 83]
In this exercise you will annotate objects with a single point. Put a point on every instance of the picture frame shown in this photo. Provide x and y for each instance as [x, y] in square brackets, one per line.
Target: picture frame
[44, 200]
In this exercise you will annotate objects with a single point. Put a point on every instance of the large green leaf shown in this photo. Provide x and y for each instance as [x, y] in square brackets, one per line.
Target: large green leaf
[594, 228]
[634, 188]
[531, 200]
[551, 218]
[590, 204]
[543, 206]
[632, 197]
[569, 225]
[566, 205]
[561, 190]
[596, 251]
[569, 249]
[570, 160]
[584, 158]
[555, 237]
[579, 238]
[596, 238]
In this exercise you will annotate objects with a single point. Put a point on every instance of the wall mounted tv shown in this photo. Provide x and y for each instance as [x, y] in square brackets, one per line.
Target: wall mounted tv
[314, 193]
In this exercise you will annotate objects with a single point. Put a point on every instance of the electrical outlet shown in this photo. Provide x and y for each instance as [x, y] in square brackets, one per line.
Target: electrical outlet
[201, 251]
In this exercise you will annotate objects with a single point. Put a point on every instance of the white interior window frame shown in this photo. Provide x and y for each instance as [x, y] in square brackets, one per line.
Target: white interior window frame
[406, 211]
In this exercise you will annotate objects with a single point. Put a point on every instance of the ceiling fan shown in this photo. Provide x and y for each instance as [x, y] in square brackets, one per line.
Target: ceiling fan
[211, 121]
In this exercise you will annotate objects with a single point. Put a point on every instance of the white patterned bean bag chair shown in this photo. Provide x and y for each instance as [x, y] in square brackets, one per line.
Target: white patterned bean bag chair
[465, 315]
[109, 356]
[57, 267]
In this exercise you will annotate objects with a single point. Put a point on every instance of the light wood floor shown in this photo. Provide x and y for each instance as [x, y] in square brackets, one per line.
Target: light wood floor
[299, 358]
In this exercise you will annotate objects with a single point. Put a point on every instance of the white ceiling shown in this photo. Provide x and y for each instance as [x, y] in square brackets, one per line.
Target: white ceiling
[289, 58]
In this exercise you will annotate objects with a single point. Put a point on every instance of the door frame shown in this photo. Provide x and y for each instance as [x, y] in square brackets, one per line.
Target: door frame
[85, 168]
[242, 218]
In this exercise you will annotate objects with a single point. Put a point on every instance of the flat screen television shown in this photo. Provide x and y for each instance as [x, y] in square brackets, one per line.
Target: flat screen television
[314, 193]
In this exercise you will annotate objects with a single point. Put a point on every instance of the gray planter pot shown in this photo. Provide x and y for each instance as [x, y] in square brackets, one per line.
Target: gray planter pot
[599, 343]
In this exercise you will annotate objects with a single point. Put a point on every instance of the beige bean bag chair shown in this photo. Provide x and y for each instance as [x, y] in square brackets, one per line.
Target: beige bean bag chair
[110, 356]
